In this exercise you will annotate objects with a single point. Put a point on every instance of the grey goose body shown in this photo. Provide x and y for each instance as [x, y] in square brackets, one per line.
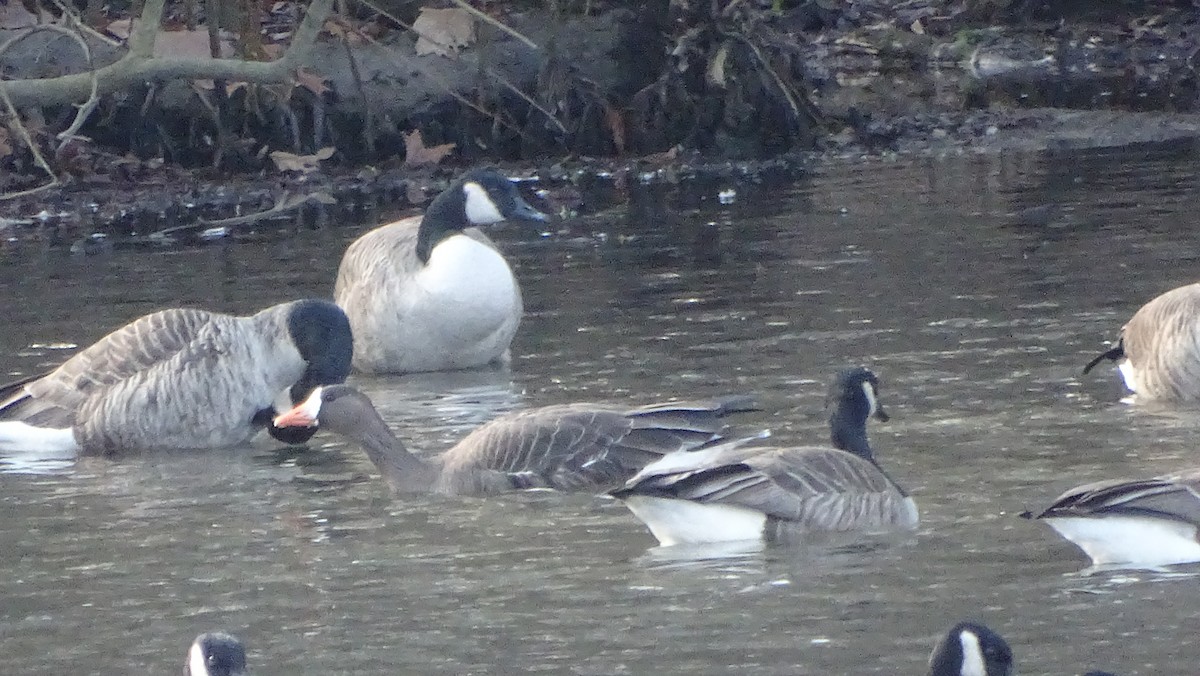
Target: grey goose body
[730, 491]
[432, 292]
[216, 654]
[1141, 522]
[569, 447]
[180, 378]
[1158, 351]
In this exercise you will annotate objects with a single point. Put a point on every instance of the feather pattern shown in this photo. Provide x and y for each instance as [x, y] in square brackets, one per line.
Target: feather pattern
[798, 489]
[177, 378]
[569, 447]
[1161, 347]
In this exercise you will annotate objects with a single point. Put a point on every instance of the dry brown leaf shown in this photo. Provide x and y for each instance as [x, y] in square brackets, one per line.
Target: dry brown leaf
[443, 31]
[305, 164]
[311, 81]
[416, 154]
[339, 28]
[6, 148]
[615, 121]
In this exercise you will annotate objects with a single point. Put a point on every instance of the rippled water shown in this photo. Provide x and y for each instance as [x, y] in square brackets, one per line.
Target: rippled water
[975, 302]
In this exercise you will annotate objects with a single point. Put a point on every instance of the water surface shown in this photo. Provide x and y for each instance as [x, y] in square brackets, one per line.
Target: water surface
[976, 286]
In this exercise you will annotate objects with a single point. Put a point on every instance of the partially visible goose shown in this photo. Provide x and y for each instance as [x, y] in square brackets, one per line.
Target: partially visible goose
[730, 492]
[431, 292]
[180, 379]
[1158, 351]
[216, 654]
[971, 649]
[1144, 522]
[570, 447]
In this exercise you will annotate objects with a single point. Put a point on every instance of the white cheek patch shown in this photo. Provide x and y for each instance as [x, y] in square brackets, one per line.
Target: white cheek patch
[972, 654]
[196, 663]
[872, 400]
[312, 405]
[480, 209]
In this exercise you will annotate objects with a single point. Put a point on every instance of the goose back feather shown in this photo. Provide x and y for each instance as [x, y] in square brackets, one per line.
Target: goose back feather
[1158, 351]
[1141, 522]
[432, 292]
[729, 491]
[181, 378]
[569, 447]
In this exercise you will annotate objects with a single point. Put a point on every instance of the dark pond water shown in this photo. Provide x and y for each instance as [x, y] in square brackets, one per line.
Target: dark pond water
[976, 308]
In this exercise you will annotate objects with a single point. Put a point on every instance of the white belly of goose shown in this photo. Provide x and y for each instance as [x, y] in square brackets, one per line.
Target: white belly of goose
[1129, 375]
[467, 304]
[676, 522]
[1130, 540]
[19, 436]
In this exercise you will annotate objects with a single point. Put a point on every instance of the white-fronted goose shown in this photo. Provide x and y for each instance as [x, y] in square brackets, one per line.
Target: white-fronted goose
[180, 379]
[432, 292]
[216, 654]
[1144, 522]
[569, 447]
[731, 492]
[1158, 351]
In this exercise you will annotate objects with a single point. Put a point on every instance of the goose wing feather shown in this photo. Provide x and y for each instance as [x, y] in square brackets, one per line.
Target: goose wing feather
[811, 488]
[1176, 497]
[53, 399]
[579, 446]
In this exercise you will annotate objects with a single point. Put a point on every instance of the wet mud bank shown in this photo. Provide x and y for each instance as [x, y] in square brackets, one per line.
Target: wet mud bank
[635, 94]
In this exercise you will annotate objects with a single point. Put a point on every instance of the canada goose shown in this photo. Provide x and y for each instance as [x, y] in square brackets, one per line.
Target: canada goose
[180, 379]
[216, 654]
[1159, 348]
[570, 447]
[431, 292]
[726, 492]
[971, 649]
[1145, 522]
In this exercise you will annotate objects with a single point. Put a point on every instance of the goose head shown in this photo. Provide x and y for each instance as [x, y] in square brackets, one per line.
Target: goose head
[971, 649]
[337, 408]
[216, 654]
[853, 398]
[320, 331]
[478, 197]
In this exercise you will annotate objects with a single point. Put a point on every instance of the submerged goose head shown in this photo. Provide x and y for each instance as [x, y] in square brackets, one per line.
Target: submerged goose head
[216, 654]
[853, 398]
[479, 197]
[971, 649]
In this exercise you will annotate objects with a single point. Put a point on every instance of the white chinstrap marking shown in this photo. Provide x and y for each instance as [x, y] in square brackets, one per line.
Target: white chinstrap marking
[972, 654]
[478, 205]
[197, 666]
[872, 399]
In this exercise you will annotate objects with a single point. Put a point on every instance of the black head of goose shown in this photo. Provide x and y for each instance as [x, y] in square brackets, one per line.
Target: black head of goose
[1157, 353]
[180, 379]
[571, 447]
[734, 491]
[1131, 523]
[216, 654]
[432, 293]
[971, 649]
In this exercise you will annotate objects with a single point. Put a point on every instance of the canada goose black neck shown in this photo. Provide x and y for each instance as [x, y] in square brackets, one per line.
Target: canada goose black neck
[479, 197]
[852, 399]
[216, 654]
[971, 648]
[321, 333]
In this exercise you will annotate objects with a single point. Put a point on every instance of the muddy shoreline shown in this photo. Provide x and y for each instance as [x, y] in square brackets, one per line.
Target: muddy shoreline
[909, 78]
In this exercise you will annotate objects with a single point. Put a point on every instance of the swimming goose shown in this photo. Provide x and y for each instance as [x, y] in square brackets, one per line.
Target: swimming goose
[1144, 522]
[971, 649]
[180, 379]
[216, 654]
[570, 447]
[1159, 348]
[432, 293]
[728, 492]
